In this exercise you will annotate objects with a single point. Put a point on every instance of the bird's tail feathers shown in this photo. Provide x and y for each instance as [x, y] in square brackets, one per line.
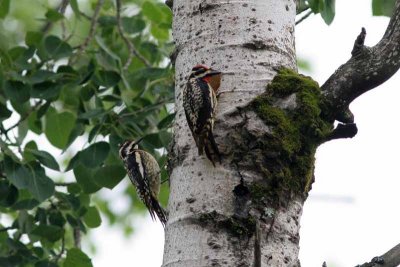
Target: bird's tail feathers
[200, 145]
[211, 148]
[156, 209]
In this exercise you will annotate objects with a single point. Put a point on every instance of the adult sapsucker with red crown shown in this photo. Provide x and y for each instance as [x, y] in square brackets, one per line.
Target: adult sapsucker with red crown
[200, 103]
[144, 173]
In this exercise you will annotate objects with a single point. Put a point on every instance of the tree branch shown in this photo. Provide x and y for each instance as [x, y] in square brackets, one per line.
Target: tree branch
[5, 229]
[132, 50]
[61, 9]
[348, 130]
[77, 237]
[366, 69]
[63, 184]
[92, 31]
[304, 17]
[389, 259]
[22, 118]
[60, 254]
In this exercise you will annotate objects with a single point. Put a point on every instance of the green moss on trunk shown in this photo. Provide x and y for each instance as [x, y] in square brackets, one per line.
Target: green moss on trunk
[296, 133]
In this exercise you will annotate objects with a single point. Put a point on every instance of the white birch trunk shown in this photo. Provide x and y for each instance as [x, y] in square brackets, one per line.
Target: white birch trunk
[247, 41]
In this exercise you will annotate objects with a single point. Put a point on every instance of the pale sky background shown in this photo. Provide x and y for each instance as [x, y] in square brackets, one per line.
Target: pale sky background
[361, 175]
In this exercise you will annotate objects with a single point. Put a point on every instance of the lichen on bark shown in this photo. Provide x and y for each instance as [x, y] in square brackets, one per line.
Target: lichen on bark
[292, 108]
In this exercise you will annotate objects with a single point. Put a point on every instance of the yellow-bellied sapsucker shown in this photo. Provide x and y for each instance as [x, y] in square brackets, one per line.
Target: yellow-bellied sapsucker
[144, 173]
[200, 103]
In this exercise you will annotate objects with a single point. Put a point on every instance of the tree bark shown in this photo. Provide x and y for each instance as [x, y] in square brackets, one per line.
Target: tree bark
[210, 225]
[270, 120]
[367, 68]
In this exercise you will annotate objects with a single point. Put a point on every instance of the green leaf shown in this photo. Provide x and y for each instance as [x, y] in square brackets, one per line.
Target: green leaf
[77, 131]
[109, 21]
[328, 13]
[26, 204]
[57, 48]
[28, 156]
[75, 160]
[165, 137]
[16, 91]
[166, 122]
[148, 73]
[157, 140]
[4, 8]
[94, 132]
[304, 64]
[38, 251]
[92, 218]
[167, 13]
[75, 8]
[74, 188]
[95, 154]
[301, 6]
[84, 177]
[8, 194]
[53, 16]
[46, 159]
[109, 176]
[383, 7]
[4, 112]
[41, 215]
[22, 108]
[111, 98]
[133, 24]
[94, 113]
[20, 56]
[316, 5]
[159, 33]
[35, 124]
[43, 109]
[22, 131]
[42, 76]
[33, 38]
[25, 222]
[106, 78]
[59, 127]
[46, 90]
[45, 263]
[41, 187]
[76, 258]
[102, 43]
[56, 218]
[50, 232]
[71, 220]
[152, 11]
[16, 173]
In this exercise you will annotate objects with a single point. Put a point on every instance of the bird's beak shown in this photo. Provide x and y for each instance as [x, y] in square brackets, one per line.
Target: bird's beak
[139, 140]
[214, 72]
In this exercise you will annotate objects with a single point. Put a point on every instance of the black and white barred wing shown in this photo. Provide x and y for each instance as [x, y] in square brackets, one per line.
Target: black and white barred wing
[200, 102]
[144, 173]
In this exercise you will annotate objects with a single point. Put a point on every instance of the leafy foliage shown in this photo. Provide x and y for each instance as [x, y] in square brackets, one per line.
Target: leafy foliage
[382, 7]
[324, 7]
[75, 81]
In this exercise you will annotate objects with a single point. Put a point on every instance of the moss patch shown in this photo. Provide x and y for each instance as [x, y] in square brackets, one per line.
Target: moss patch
[296, 134]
